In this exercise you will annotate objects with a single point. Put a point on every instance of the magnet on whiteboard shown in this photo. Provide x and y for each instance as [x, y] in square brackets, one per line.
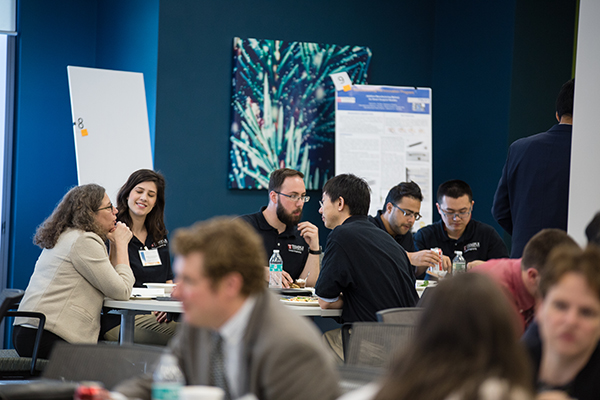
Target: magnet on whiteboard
[84, 132]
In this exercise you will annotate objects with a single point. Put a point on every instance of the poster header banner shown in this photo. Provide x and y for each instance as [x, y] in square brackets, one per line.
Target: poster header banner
[385, 99]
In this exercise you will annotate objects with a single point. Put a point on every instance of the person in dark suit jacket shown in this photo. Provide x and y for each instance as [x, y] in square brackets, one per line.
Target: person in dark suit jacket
[269, 352]
[533, 192]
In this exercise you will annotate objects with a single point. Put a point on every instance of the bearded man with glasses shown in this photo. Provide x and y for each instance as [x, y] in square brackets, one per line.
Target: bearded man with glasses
[278, 223]
[456, 230]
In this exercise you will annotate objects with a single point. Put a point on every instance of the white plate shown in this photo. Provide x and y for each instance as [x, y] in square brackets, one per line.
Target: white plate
[168, 287]
[419, 284]
[300, 303]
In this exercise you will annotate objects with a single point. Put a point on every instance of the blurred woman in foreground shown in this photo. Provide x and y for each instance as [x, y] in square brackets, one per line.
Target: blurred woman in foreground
[567, 362]
[75, 272]
[465, 347]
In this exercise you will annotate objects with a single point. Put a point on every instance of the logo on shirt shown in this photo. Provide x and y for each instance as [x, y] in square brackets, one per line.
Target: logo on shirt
[295, 248]
[472, 247]
[161, 243]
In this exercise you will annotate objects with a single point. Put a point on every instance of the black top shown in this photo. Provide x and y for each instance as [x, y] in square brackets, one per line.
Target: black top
[368, 267]
[406, 241]
[155, 274]
[291, 246]
[586, 384]
[479, 241]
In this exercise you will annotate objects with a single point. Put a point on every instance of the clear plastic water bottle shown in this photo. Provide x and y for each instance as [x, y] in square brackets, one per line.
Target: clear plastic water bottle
[168, 379]
[275, 270]
[459, 265]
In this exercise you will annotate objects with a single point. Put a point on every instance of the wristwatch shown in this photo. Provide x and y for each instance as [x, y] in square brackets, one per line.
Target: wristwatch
[317, 252]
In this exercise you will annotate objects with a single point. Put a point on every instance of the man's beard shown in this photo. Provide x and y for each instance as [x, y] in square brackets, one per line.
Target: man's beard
[287, 218]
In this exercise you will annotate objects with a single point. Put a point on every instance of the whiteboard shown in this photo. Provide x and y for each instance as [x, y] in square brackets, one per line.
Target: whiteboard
[110, 124]
[383, 134]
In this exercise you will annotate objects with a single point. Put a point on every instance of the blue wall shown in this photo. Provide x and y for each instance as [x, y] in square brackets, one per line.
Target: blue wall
[471, 95]
[471, 56]
[194, 85]
[52, 35]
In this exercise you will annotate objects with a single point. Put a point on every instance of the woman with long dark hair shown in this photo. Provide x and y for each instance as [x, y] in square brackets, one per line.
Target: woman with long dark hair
[141, 204]
[75, 272]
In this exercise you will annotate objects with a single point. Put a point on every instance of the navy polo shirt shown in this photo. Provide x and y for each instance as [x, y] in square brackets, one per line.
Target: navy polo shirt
[368, 267]
[156, 273]
[406, 241]
[292, 247]
[479, 241]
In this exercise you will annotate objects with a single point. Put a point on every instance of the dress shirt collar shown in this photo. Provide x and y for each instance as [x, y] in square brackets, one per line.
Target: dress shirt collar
[233, 330]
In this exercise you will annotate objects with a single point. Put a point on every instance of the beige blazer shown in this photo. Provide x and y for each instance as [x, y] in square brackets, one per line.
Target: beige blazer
[69, 284]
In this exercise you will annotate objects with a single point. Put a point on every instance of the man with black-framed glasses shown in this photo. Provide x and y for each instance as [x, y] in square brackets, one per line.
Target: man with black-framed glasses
[278, 223]
[399, 214]
[456, 230]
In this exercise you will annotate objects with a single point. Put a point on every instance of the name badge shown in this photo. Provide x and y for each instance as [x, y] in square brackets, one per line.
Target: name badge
[150, 258]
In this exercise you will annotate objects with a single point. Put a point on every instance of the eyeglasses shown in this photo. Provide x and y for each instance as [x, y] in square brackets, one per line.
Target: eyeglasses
[321, 203]
[408, 213]
[295, 197]
[452, 215]
[108, 207]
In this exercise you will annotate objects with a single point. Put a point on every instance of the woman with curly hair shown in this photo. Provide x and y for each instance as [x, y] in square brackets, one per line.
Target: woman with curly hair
[75, 271]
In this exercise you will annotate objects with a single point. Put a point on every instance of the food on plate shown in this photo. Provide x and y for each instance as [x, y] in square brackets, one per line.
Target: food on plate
[298, 284]
[303, 299]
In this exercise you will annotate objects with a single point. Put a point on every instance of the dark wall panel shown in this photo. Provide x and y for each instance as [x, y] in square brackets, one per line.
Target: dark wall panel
[471, 95]
[194, 82]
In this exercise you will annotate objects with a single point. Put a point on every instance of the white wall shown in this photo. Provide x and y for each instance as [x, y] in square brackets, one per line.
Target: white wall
[584, 193]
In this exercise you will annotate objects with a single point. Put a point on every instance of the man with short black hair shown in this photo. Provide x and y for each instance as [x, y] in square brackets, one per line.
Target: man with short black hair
[520, 277]
[533, 191]
[279, 225]
[399, 214]
[456, 230]
[220, 282]
[364, 269]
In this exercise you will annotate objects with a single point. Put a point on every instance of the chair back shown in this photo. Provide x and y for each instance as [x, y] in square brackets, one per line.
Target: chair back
[401, 315]
[375, 344]
[9, 298]
[12, 366]
[109, 364]
[353, 377]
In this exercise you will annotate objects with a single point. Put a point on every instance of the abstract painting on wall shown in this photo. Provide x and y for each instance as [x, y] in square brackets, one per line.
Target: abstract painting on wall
[283, 105]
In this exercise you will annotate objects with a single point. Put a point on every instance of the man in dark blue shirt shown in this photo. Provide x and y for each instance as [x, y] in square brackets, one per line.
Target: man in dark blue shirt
[399, 214]
[456, 230]
[279, 226]
[533, 192]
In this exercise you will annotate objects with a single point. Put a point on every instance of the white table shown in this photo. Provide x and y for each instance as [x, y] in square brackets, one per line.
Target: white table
[130, 308]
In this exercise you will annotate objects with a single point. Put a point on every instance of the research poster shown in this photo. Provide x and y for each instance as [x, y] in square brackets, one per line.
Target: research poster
[383, 134]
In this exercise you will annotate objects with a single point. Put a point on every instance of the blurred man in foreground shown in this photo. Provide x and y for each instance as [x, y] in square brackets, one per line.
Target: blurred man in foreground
[399, 214]
[267, 350]
[280, 228]
[520, 277]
